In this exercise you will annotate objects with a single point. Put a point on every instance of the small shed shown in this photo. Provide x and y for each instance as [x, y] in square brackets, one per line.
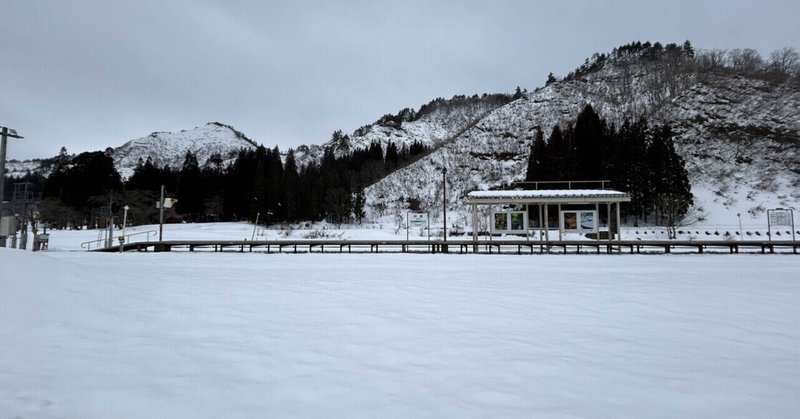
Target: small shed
[577, 210]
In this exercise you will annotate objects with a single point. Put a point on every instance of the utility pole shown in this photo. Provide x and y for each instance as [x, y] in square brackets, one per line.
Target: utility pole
[4, 134]
[161, 215]
[110, 241]
[444, 201]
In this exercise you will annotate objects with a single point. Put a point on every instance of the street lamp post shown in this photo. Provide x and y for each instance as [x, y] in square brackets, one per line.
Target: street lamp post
[4, 134]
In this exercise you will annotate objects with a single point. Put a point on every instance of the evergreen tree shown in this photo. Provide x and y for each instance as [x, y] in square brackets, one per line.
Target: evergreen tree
[630, 168]
[670, 188]
[590, 144]
[91, 174]
[190, 188]
[537, 160]
[359, 201]
[392, 156]
[338, 205]
[558, 154]
[146, 176]
[518, 94]
[291, 180]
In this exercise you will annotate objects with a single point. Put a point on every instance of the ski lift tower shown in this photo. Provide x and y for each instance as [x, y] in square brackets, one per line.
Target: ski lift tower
[5, 133]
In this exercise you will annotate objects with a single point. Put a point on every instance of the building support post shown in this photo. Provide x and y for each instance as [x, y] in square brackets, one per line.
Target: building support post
[546, 224]
[597, 221]
[474, 228]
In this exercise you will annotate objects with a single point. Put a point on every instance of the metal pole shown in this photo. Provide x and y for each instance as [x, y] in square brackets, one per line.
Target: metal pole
[253, 237]
[3, 144]
[124, 223]
[125, 219]
[547, 223]
[444, 195]
[769, 226]
[428, 217]
[110, 241]
[23, 232]
[161, 215]
[475, 227]
[741, 233]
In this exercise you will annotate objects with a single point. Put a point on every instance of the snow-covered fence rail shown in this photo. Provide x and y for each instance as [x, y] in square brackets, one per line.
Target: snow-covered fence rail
[99, 243]
[466, 246]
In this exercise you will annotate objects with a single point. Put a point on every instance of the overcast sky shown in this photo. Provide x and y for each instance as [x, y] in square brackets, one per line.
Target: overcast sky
[93, 74]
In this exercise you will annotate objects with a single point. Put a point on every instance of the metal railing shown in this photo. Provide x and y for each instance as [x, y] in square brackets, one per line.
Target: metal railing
[465, 246]
[101, 242]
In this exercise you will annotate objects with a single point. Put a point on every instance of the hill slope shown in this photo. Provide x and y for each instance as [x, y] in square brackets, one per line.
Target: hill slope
[739, 136]
[432, 125]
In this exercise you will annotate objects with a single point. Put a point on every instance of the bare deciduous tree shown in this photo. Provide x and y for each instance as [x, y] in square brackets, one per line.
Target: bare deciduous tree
[746, 60]
[784, 61]
[710, 59]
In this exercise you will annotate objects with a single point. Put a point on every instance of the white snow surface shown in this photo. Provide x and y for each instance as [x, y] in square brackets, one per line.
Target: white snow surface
[209, 335]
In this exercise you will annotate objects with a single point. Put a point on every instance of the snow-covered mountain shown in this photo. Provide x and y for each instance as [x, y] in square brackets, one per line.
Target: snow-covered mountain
[739, 136]
[164, 148]
[169, 148]
[432, 125]
[18, 168]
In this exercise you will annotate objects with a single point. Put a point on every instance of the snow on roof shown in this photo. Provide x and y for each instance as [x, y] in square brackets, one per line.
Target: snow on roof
[549, 195]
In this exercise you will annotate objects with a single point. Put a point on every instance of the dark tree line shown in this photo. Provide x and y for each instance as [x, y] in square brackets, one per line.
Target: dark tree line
[782, 64]
[259, 182]
[637, 158]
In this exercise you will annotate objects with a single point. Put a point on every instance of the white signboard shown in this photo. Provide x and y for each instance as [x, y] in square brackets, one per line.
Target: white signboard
[168, 203]
[417, 219]
[780, 217]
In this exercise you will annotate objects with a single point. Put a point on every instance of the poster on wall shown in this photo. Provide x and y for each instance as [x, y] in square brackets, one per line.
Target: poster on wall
[587, 220]
[500, 221]
[570, 220]
[518, 221]
[513, 222]
[579, 220]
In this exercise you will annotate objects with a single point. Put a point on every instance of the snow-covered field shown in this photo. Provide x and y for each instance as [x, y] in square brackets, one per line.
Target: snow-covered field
[217, 335]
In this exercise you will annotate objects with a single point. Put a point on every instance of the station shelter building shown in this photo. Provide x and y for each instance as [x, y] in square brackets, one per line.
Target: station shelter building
[567, 210]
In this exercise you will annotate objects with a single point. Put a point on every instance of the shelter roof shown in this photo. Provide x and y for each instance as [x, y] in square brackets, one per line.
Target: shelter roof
[546, 196]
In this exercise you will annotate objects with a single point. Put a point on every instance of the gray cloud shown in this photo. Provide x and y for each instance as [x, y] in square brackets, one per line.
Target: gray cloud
[91, 74]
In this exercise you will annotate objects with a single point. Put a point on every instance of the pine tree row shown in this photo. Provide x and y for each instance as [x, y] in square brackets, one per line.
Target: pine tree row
[259, 182]
[635, 157]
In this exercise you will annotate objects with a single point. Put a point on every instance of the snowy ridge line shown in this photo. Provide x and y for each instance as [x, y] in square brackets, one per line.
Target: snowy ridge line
[464, 246]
